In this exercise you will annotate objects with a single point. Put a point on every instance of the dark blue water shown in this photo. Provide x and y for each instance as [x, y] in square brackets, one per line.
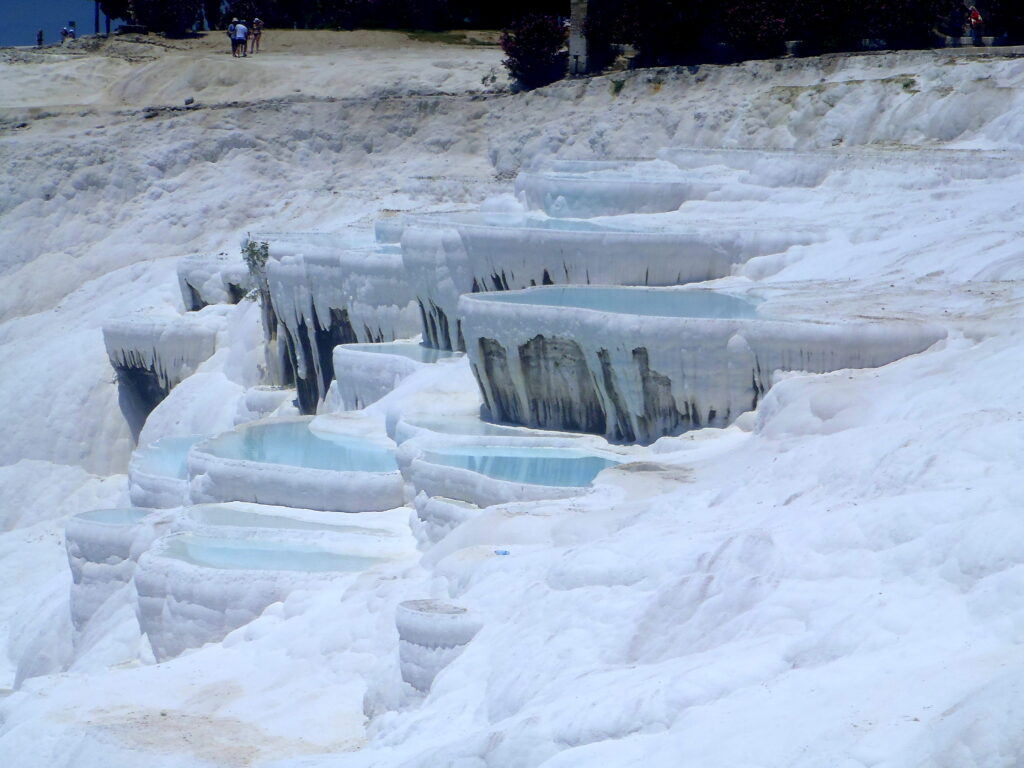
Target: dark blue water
[19, 20]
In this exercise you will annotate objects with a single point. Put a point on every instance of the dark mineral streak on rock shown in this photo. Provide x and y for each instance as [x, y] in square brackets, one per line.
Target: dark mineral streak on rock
[140, 389]
[444, 337]
[305, 376]
[502, 403]
[487, 412]
[660, 415]
[561, 390]
[195, 302]
[317, 348]
[621, 428]
[235, 293]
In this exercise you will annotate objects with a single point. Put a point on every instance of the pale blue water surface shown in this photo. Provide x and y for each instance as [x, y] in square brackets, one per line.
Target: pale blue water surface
[249, 554]
[560, 467]
[167, 457]
[632, 301]
[293, 443]
[115, 516]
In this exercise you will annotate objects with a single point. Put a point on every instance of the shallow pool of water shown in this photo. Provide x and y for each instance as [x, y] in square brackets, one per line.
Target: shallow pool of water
[634, 301]
[469, 426]
[293, 443]
[214, 515]
[115, 516]
[535, 466]
[249, 554]
[515, 221]
[166, 457]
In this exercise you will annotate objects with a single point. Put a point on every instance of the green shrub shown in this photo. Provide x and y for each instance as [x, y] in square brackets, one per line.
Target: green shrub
[534, 46]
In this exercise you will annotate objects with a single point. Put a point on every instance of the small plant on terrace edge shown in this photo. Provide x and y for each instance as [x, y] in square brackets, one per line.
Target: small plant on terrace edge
[255, 256]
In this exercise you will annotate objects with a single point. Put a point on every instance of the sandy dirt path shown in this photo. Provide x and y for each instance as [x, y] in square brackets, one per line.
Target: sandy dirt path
[148, 70]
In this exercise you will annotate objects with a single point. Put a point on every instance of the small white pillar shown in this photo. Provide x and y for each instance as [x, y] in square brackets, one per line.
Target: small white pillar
[578, 59]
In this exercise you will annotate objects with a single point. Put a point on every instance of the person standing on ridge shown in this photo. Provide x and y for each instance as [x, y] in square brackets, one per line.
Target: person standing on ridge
[231, 37]
[977, 23]
[39, 38]
[257, 33]
[241, 36]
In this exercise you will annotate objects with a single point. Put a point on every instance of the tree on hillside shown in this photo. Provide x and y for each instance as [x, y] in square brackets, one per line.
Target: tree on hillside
[212, 10]
[901, 23]
[825, 27]
[172, 17]
[755, 28]
[533, 47]
[1003, 17]
[116, 9]
[662, 31]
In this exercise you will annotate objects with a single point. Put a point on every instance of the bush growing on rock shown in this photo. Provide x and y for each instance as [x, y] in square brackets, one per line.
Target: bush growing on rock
[534, 47]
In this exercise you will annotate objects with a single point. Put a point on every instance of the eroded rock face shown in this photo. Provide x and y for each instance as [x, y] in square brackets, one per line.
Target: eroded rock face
[660, 415]
[690, 373]
[499, 391]
[206, 279]
[310, 354]
[621, 428]
[151, 355]
[328, 296]
[563, 390]
[140, 389]
[559, 386]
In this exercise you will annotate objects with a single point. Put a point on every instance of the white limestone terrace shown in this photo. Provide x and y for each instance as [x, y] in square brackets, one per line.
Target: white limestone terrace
[810, 587]
[151, 354]
[217, 278]
[448, 254]
[388, 228]
[263, 401]
[586, 191]
[782, 168]
[492, 466]
[431, 635]
[512, 251]
[437, 516]
[435, 266]
[364, 373]
[103, 546]
[158, 472]
[287, 462]
[194, 589]
[685, 175]
[328, 294]
[635, 364]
